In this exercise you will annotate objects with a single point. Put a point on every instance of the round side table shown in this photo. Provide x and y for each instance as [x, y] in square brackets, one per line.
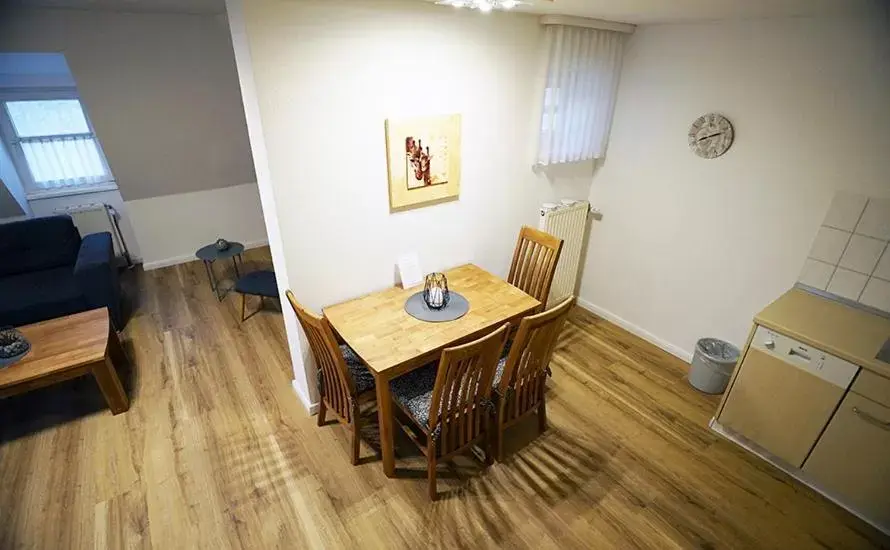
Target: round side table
[209, 254]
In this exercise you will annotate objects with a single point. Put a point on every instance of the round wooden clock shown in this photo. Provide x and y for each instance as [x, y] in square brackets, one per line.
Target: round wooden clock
[710, 136]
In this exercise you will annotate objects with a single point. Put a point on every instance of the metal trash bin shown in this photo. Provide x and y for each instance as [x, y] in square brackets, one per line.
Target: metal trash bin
[712, 365]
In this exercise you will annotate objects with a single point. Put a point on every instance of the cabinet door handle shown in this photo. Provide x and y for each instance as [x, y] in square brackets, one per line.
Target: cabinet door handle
[870, 419]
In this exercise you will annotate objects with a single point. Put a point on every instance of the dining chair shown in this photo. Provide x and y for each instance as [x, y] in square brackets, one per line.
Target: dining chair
[534, 263]
[450, 402]
[520, 376]
[344, 382]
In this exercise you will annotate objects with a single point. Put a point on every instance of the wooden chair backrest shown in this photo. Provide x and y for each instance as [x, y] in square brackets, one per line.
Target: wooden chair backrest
[522, 384]
[534, 263]
[460, 403]
[337, 387]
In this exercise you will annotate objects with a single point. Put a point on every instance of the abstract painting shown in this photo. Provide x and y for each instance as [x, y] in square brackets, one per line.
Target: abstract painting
[423, 160]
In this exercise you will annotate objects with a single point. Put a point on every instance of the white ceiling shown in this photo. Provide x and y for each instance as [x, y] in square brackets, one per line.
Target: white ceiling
[671, 11]
[168, 6]
[629, 11]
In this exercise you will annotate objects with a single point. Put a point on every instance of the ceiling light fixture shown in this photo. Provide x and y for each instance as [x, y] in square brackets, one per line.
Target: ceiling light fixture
[484, 6]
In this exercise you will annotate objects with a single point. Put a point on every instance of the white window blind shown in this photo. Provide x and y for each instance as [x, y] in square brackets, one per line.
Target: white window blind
[57, 145]
[579, 100]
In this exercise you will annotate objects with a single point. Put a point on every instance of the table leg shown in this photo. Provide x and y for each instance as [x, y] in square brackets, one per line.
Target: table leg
[116, 350]
[384, 419]
[214, 286]
[110, 384]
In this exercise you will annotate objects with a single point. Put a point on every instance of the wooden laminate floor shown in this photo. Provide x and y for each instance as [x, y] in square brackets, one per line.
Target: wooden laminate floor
[216, 452]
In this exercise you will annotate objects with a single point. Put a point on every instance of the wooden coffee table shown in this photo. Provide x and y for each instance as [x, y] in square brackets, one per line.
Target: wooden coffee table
[68, 347]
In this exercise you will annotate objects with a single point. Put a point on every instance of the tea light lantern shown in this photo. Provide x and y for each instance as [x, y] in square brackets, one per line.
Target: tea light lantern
[435, 291]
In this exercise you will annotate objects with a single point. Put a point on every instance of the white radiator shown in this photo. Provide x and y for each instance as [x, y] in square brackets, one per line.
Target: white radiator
[98, 218]
[568, 221]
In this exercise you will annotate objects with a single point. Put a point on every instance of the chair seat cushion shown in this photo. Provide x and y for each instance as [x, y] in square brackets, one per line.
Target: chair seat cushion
[499, 372]
[258, 283]
[414, 391]
[361, 376]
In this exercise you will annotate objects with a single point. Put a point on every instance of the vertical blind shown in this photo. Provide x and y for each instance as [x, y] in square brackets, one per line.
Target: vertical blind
[579, 100]
[57, 144]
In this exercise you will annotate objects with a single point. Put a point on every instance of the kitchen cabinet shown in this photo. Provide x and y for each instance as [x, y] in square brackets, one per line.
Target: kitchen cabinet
[769, 396]
[852, 458]
[810, 396]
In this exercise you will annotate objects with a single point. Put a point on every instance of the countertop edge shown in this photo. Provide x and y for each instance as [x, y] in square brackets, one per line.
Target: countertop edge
[871, 365]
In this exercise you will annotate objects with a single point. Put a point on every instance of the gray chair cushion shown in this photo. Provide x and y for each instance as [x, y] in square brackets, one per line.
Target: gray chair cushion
[361, 376]
[258, 283]
[414, 391]
[499, 372]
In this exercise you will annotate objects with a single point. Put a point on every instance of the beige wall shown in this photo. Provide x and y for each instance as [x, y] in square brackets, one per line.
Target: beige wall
[161, 90]
[691, 247]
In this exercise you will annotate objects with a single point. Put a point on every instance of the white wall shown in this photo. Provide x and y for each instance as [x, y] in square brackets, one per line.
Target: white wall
[171, 228]
[12, 193]
[160, 88]
[691, 247]
[329, 73]
[48, 206]
[167, 230]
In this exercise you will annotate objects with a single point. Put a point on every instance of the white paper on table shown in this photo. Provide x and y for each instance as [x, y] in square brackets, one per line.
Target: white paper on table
[409, 270]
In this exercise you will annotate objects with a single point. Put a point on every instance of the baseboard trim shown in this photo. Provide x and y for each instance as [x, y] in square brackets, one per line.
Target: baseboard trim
[176, 260]
[674, 350]
[311, 407]
[791, 471]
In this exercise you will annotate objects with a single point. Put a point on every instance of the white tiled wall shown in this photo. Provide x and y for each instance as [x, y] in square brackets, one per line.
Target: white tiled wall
[850, 256]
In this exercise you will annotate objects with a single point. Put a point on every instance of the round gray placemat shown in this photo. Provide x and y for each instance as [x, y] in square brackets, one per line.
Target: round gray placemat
[457, 307]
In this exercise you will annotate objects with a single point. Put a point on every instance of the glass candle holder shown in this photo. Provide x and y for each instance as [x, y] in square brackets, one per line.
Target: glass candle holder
[435, 291]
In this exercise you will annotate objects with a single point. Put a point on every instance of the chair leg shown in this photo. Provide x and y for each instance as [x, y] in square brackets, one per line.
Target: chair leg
[243, 306]
[542, 417]
[431, 478]
[356, 436]
[321, 411]
[499, 435]
[431, 469]
[490, 425]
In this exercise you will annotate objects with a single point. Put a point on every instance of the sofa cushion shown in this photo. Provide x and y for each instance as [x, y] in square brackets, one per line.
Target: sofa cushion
[31, 297]
[37, 244]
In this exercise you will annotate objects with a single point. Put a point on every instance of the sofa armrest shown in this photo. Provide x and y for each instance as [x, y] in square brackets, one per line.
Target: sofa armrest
[96, 275]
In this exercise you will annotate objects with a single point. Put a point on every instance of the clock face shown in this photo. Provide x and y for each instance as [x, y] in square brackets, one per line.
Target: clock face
[711, 135]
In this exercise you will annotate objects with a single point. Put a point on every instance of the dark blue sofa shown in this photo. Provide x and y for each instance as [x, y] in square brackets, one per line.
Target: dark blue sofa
[48, 271]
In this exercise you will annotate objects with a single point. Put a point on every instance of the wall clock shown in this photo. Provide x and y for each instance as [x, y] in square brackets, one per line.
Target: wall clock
[711, 135]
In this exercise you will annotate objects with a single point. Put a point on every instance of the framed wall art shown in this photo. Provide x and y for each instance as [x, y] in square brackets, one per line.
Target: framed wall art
[423, 160]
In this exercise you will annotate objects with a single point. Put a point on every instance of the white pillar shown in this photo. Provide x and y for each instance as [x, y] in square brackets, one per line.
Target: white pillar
[238, 30]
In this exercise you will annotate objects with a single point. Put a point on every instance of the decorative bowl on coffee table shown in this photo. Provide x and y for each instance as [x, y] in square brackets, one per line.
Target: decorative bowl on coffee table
[13, 346]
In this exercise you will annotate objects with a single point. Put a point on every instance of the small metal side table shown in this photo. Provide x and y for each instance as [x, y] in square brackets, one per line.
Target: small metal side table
[210, 254]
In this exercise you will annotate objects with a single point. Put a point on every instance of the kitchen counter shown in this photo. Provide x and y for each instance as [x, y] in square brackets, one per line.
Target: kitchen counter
[844, 331]
[809, 396]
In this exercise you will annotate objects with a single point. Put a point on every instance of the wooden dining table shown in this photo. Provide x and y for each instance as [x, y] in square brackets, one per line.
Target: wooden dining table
[391, 342]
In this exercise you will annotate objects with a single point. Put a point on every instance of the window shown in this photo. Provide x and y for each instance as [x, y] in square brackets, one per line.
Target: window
[579, 100]
[54, 146]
